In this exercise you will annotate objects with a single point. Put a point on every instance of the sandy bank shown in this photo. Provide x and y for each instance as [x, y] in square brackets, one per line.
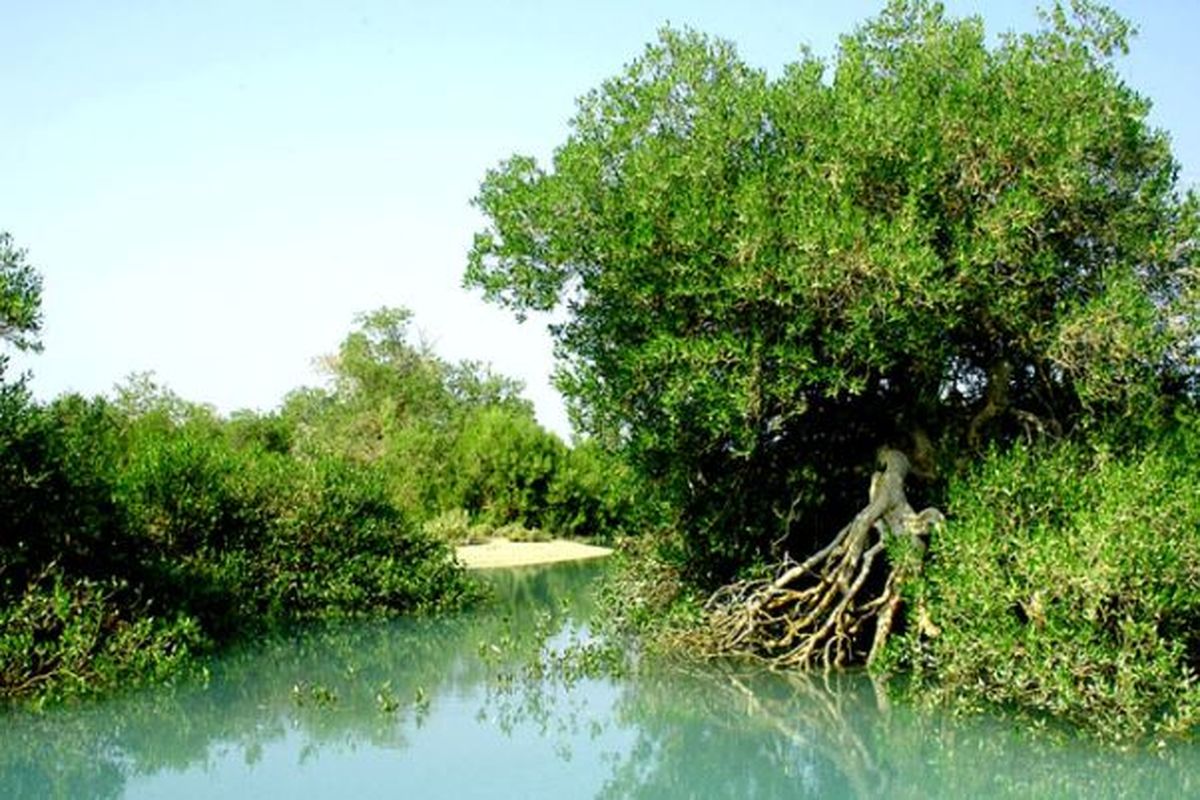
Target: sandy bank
[503, 553]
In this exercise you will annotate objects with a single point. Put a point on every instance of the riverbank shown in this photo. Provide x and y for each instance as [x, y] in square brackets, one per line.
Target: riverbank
[503, 553]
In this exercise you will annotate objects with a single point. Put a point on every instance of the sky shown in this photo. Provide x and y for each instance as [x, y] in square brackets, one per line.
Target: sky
[213, 190]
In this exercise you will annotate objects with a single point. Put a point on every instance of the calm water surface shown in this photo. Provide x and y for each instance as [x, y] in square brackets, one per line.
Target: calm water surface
[459, 709]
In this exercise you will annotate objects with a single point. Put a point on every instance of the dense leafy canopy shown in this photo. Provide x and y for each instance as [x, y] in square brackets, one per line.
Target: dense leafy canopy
[450, 438]
[764, 279]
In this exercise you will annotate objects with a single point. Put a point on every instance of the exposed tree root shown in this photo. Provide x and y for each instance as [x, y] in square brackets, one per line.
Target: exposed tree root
[813, 613]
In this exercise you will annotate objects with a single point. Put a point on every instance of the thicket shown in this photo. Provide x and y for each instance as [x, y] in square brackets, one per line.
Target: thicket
[133, 543]
[1066, 585]
[140, 531]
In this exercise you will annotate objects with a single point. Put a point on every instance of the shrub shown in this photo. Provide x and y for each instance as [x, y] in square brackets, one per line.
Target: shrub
[503, 466]
[133, 538]
[342, 548]
[72, 636]
[56, 470]
[1067, 584]
[593, 494]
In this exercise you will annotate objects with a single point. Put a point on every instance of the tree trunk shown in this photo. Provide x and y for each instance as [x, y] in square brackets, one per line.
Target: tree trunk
[812, 613]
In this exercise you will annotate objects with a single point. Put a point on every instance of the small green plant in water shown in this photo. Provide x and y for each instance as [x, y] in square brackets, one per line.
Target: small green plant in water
[386, 699]
[314, 694]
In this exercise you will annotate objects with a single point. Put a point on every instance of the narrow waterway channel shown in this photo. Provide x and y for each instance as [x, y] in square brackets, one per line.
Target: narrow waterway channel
[459, 708]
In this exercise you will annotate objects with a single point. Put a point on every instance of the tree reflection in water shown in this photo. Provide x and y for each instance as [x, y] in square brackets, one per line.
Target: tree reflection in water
[341, 686]
[729, 731]
[528, 669]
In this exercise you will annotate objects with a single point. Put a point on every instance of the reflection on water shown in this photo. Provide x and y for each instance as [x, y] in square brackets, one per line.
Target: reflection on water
[459, 708]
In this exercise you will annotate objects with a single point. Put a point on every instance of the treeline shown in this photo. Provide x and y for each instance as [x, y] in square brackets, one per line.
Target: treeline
[457, 447]
[139, 531]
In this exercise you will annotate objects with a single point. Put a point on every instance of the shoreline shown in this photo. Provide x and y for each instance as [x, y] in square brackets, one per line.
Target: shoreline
[499, 553]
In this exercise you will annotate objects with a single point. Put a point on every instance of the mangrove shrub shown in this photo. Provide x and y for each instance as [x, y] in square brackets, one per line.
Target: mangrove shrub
[1067, 585]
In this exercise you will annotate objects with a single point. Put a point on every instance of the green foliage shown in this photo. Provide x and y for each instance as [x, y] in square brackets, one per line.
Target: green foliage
[765, 279]
[74, 617]
[57, 466]
[1065, 584]
[69, 636]
[140, 532]
[342, 547]
[644, 594]
[453, 437]
[20, 297]
[502, 464]
[594, 494]
[276, 537]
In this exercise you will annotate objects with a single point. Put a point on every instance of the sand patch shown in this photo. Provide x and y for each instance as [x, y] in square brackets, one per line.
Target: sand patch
[503, 553]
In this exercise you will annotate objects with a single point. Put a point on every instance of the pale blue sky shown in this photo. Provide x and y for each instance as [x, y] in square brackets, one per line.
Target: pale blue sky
[212, 190]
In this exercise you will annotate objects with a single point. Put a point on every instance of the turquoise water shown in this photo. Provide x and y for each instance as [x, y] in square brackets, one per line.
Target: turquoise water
[459, 708]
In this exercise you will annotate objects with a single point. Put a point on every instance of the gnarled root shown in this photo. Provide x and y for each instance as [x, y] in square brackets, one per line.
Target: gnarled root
[812, 613]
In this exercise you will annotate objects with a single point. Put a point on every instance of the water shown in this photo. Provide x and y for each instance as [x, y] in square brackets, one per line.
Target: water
[457, 709]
